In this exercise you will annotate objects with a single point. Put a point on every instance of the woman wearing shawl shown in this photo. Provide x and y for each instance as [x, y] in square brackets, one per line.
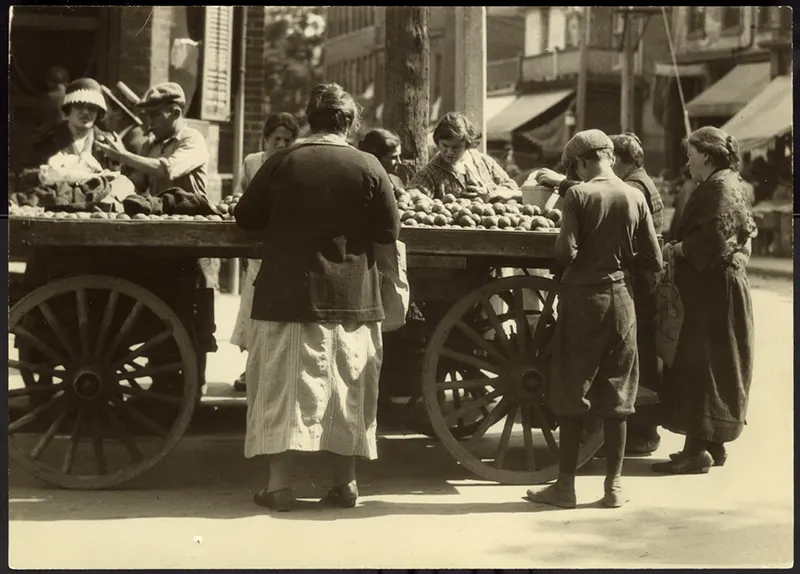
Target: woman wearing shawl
[705, 392]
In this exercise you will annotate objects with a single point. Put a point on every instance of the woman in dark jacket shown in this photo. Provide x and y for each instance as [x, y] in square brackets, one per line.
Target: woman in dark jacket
[316, 349]
[706, 390]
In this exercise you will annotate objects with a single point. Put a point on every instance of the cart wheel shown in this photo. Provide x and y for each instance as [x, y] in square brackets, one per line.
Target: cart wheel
[93, 357]
[517, 443]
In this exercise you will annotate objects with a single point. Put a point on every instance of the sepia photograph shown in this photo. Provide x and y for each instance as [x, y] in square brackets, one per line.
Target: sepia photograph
[400, 287]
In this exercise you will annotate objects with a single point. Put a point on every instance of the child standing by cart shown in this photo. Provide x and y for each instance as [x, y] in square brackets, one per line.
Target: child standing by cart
[280, 131]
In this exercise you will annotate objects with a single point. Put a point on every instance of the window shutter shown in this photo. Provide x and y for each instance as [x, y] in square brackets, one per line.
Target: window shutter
[217, 51]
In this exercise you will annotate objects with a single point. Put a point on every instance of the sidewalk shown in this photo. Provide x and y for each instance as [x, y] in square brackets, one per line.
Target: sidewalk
[767, 266]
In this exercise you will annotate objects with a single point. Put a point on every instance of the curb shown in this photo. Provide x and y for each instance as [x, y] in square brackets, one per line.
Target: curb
[770, 272]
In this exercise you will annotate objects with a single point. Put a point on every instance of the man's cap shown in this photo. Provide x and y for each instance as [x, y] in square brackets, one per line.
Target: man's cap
[85, 91]
[583, 142]
[161, 94]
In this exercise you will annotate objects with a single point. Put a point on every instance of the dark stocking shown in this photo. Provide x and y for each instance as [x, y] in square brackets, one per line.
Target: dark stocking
[615, 432]
[571, 431]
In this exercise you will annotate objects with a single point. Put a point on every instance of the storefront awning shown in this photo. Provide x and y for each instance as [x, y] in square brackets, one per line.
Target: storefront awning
[731, 93]
[496, 104]
[524, 109]
[767, 116]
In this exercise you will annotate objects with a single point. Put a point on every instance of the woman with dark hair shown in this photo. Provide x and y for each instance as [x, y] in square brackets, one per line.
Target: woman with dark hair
[315, 351]
[707, 387]
[460, 169]
[280, 132]
[385, 146]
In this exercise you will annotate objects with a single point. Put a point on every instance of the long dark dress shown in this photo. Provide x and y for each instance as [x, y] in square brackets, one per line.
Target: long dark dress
[706, 391]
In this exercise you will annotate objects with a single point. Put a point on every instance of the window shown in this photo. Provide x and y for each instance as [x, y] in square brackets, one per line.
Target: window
[333, 21]
[784, 18]
[696, 21]
[573, 30]
[763, 17]
[732, 19]
[437, 76]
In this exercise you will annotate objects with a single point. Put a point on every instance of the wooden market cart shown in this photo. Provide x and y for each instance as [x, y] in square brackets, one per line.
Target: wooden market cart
[93, 335]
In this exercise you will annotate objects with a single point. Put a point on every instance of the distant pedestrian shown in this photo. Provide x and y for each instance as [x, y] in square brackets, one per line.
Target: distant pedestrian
[385, 146]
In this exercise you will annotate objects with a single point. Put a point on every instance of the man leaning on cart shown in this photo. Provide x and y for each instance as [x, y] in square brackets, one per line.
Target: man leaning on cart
[170, 175]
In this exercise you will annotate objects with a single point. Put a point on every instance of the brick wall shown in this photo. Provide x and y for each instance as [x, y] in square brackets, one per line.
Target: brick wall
[255, 96]
[135, 47]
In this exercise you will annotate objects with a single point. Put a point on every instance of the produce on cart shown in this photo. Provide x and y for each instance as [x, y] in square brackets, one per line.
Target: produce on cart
[79, 380]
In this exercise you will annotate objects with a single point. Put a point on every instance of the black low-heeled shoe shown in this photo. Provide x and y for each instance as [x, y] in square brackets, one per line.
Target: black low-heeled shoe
[718, 453]
[343, 495]
[700, 463]
[279, 500]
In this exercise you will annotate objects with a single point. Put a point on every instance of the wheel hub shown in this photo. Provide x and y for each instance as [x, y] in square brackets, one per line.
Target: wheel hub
[527, 382]
[87, 384]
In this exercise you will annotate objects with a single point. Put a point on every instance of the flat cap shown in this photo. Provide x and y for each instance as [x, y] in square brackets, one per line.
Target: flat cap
[160, 94]
[583, 142]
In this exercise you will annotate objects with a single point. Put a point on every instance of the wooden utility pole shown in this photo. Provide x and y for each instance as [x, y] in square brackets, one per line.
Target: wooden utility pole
[470, 72]
[583, 70]
[627, 74]
[407, 79]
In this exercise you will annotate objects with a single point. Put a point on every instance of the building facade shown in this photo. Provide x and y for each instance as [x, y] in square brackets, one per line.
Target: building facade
[142, 46]
[540, 113]
[354, 51]
[726, 56]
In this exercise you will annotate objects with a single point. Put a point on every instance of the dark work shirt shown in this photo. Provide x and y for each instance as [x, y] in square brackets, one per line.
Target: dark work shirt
[639, 179]
[606, 230]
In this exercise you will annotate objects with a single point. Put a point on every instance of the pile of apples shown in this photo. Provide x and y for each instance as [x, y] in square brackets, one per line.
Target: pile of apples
[419, 210]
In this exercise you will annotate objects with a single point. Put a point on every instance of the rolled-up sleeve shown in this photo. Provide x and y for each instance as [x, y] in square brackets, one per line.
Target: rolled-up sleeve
[190, 154]
[566, 249]
[384, 215]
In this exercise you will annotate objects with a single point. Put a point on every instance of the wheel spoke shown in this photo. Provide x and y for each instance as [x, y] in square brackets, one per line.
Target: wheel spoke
[497, 325]
[47, 437]
[146, 422]
[471, 406]
[125, 330]
[468, 384]
[97, 441]
[105, 325]
[83, 321]
[547, 313]
[522, 322]
[36, 413]
[470, 360]
[148, 394]
[157, 340]
[546, 430]
[119, 429]
[457, 406]
[495, 415]
[149, 371]
[21, 331]
[55, 325]
[69, 456]
[505, 437]
[478, 340]
[527, 437]
[36, 369]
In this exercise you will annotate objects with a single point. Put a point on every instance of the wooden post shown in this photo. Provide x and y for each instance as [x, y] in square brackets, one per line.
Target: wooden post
[238, 135]
[407, 79]
[627, 71]
[470, 28]
[583, 70]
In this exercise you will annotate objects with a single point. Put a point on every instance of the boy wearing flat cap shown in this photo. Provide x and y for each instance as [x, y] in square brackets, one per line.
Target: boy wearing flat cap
[175, 156]
[606, 230]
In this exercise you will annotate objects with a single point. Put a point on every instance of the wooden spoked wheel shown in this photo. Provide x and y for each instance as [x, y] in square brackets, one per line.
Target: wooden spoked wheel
[91, 349]
[517, 441]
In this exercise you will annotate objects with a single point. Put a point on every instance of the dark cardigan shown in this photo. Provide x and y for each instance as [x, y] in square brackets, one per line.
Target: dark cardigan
[322, 207]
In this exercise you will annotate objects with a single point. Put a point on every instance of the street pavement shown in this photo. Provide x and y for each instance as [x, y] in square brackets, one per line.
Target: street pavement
[420, 509]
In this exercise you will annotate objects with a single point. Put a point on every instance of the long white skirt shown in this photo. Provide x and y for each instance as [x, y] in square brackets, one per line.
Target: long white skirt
[313, 387]
[242, 330]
